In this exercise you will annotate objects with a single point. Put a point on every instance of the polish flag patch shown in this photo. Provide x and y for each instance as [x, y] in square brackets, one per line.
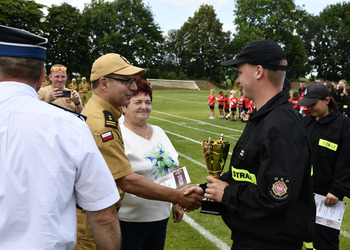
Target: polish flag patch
[107, 136]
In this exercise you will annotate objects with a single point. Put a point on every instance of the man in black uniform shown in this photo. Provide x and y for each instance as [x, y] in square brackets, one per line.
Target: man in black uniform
[266, 195]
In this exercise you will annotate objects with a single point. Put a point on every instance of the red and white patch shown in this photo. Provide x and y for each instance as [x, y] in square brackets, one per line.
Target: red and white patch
[279, 189]
[107, 136]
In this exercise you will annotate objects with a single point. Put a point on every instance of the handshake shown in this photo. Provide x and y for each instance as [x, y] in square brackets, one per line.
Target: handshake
[191, 196]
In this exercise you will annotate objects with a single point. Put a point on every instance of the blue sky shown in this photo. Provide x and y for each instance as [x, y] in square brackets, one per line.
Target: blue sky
[172, 14]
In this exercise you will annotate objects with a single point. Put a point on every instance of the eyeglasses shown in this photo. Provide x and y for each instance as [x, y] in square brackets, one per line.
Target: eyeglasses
[127, 82]
[58, 68]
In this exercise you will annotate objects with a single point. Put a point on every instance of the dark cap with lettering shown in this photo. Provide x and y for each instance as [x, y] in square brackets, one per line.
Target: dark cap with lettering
[314, 92]
[266, 53]
[21, 43]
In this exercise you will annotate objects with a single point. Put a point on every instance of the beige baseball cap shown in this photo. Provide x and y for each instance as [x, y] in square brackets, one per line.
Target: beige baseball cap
[112, 63]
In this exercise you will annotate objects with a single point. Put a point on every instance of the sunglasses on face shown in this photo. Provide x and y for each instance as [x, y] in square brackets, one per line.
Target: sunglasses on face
[58, 68]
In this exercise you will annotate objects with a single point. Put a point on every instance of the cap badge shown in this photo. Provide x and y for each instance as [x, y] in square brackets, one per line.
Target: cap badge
[124, 59]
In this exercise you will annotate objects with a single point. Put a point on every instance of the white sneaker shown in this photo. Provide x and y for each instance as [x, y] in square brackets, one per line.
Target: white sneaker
[211, 117]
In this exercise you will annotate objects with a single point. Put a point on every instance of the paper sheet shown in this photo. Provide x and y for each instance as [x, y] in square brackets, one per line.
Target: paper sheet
[329, 216]
[175, 179]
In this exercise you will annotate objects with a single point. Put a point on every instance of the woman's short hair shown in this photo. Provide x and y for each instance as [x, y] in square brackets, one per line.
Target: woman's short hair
[143, 87]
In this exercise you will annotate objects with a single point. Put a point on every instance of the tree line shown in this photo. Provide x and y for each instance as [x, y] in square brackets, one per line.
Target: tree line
[314, 44]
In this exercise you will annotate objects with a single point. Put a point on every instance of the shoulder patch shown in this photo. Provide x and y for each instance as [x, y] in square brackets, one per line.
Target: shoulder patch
[107, 136]
[279, 189]
[110, 121]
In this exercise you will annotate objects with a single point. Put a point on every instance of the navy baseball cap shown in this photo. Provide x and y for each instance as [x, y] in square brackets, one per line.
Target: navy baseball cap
[21, 43]
[314, 92]
[266, 53]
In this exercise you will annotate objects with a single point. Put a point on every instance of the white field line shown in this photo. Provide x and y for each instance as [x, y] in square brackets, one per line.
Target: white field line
[206, 131]
[201, 122]
[192, 160]
[187, 138]
[169, 98]
[219, 243]
[346, 234]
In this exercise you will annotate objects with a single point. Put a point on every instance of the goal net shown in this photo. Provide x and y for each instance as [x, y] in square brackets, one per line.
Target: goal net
[181, 84]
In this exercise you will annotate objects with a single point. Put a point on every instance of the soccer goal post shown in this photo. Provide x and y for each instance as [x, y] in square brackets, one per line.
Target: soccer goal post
[181, 84]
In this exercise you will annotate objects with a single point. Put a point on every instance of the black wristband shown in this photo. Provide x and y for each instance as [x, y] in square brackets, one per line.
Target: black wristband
[76, 104]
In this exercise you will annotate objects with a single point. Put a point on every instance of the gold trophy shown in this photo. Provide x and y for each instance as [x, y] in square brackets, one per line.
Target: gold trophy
[215, 153]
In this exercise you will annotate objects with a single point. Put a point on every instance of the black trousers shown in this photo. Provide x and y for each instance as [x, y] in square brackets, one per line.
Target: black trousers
[326, 238]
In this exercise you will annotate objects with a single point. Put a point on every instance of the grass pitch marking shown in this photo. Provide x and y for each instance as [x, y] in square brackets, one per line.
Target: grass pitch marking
[181, 100]
[184, 137]
[201, 122]
[202, 130]
[219, 243]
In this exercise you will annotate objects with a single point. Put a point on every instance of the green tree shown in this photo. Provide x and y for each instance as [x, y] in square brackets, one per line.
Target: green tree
[203, 45]
[125, 27]
[22, 14]
[278, 20]
[170, 53]
[69, 39]
[329, 36]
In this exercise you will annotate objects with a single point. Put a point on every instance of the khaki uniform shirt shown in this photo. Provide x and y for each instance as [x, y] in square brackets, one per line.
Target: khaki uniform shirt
[73, 86]
[66, 103]
[45, 83]
[102, 119]
[84, 87]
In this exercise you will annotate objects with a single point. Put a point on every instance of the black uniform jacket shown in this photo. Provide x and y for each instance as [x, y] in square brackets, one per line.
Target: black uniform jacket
[269, 201]
[330, 140]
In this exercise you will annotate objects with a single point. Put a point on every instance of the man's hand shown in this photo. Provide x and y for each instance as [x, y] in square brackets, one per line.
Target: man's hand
[190, 197]
[55, 94]
[215, 189]
[330, 200]
[75, 97]
[177, 213]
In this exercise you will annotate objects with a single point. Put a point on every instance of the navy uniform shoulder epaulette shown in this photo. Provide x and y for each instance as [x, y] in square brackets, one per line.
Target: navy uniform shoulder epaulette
[110, 121]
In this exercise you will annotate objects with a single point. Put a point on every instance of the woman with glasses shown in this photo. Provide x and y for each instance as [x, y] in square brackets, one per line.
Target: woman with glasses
[151, 154]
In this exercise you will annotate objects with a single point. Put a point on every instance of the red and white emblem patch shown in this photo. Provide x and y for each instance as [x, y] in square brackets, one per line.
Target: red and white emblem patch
[107, 136]
[279, 190]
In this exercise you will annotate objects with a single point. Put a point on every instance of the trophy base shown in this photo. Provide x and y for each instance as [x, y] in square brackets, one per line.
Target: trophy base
[210, 207]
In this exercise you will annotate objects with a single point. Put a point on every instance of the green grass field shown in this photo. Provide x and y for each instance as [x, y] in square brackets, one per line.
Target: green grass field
[183, 114]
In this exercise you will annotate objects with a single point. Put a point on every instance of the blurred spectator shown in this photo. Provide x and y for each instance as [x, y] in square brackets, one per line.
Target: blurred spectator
[54, 93]
[73, 85]
[302, 87]
[84, 88]
[346, 103]
[233, 105]
[227, 106]
[211, 103]
[295, 99]
[221, 104]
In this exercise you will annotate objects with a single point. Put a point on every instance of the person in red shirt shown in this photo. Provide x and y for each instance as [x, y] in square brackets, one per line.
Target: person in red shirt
[251, 107]
[294, 100]
[246, 104]
[303, 109]
[221, 100]
[233, 105]
[211, 103]
[227, 106]
[240, 105]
